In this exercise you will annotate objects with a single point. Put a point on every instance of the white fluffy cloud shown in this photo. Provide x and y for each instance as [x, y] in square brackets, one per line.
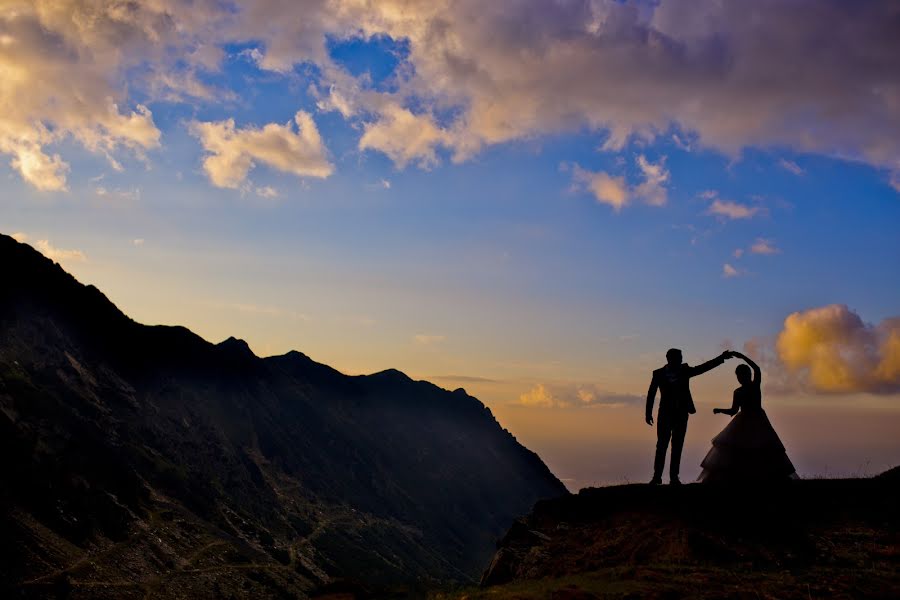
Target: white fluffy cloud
[837, 352]
[67, 66]
[816, 76]
[232, 151]
[405, 137]
[572, 395]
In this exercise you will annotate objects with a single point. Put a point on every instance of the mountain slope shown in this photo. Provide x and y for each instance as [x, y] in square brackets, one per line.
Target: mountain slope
[144, 461]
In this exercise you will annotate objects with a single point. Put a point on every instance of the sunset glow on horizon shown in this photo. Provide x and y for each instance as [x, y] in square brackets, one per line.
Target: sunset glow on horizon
[530, 200]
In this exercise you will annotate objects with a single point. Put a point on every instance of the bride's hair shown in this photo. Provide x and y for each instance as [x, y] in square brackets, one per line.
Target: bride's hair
[743, 372]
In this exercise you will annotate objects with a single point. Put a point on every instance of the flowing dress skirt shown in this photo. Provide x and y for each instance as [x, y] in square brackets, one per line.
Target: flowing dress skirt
[747, 450]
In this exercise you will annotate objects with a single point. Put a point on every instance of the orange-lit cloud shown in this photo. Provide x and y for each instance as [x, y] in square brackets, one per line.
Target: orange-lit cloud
[727, 209]
[570, 395]
[614, 191]
[405, 137]
[655, 177]
[837, 352]
[232, 151]
[605, 188]
[55, 254]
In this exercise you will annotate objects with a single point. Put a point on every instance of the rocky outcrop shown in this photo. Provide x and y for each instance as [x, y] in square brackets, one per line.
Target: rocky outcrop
[839, 533]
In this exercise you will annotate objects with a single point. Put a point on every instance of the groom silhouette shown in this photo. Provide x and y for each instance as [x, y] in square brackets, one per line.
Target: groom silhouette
[675, 404]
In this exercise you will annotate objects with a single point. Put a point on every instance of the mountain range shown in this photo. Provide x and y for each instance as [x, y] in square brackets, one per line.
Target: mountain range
[145, 462]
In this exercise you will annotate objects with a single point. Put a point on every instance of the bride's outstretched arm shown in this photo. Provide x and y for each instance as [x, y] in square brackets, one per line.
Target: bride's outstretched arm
[735, 406]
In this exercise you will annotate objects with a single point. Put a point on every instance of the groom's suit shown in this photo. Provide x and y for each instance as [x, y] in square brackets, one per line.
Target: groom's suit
[675, 404]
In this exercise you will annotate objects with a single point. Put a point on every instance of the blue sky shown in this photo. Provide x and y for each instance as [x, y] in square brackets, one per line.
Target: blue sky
[528, 233]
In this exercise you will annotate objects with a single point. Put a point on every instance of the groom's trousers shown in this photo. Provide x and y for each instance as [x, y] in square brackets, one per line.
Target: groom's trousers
[669, 427]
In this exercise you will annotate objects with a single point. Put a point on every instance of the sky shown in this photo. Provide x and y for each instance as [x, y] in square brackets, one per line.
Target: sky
[529, 199]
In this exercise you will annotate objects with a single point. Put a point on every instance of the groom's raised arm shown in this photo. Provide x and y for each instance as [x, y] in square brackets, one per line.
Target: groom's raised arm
[707, 366]
[651, 398]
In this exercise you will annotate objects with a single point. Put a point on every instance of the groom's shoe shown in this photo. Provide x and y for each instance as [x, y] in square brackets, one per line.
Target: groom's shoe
[674, 481]
[656, 480]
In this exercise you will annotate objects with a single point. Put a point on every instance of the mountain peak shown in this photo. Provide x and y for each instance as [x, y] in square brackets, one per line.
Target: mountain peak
[236, 346]
[392, 375]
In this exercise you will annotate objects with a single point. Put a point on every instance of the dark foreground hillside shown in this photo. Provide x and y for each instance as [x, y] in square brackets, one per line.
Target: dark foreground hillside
[145, 462]
[806, 539]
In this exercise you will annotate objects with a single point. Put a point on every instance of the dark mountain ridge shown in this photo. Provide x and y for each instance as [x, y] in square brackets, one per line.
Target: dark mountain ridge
[144, 461]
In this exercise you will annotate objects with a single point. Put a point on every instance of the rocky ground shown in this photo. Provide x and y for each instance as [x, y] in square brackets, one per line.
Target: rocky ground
[806, 539]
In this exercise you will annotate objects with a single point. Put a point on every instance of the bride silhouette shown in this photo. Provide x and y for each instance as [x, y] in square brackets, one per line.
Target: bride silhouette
[748, 449]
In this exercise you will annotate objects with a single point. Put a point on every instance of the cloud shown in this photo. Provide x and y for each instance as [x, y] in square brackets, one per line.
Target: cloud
[424, 339]
[405, 137]
[725, 72]
[728, 74]
[764, 246]
[335, 101]
[728, 271]
[49, 250]
[614, 191]
[59, 255]
[894, 181]
[381, 184]
[789, 165]
[124, 195]
[653, 187]
[605, 188]
[137, 242]
[67, 70]
[570, 395]
[837, 352]
[681, 143]
[727, 209]
[232, 152]
[267, 191]
[46, 173]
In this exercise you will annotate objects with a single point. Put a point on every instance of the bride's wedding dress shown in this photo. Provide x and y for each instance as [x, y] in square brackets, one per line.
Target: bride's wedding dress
[748, 449]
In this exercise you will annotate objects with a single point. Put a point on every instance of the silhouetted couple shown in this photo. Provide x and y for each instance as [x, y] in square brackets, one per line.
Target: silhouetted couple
[747, 450]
